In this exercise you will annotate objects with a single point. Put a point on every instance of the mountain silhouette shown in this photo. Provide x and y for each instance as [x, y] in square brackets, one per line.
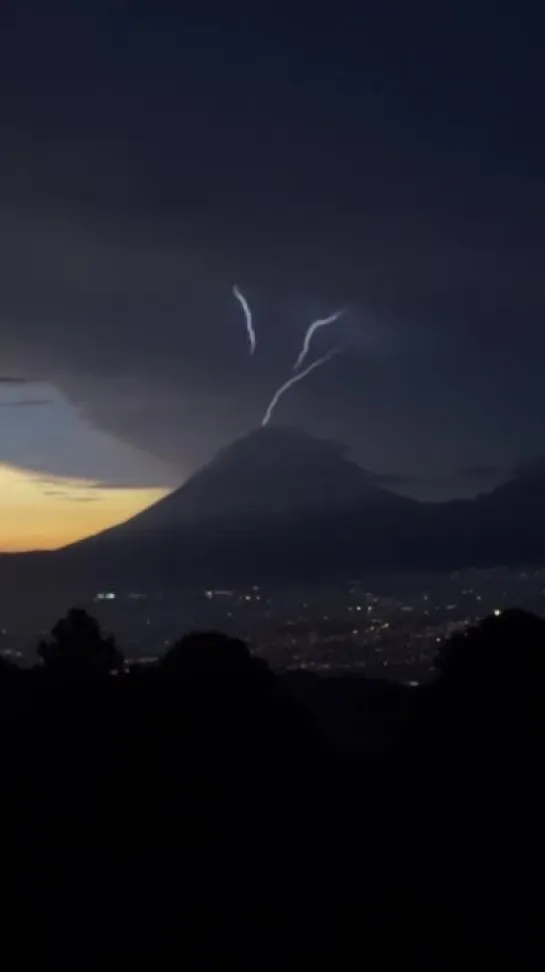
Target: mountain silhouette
[281, 505]
[271, 503]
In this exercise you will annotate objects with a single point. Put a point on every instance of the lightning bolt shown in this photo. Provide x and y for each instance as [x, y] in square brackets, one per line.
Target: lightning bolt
[309, 335]
[292, 381]
[247, 316]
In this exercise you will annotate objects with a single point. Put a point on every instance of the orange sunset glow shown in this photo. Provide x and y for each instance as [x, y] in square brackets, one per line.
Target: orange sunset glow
[45, 516]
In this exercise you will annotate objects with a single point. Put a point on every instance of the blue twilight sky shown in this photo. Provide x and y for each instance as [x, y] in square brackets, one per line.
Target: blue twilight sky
[61, 479]
[44, 433]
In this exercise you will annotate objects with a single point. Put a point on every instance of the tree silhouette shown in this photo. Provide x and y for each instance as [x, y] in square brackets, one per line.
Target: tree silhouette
[8, 668]
[505, 651]
[78, 646]
[207, 653]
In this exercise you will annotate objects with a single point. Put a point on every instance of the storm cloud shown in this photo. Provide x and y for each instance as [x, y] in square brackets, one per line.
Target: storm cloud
[392, 167]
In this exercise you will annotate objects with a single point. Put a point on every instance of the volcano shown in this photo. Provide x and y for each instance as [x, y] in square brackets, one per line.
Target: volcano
[273, 505]
[280, 506]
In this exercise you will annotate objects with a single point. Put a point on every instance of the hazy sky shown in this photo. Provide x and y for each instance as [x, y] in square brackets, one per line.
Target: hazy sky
[386, 157]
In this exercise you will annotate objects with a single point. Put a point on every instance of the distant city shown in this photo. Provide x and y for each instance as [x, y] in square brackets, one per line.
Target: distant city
[390, 627]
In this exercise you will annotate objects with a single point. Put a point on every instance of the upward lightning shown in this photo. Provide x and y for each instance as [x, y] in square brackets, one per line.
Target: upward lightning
[292, 381]
[247, 316]
[310, 333]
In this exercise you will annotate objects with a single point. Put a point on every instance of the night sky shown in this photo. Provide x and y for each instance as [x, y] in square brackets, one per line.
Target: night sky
[384, 157]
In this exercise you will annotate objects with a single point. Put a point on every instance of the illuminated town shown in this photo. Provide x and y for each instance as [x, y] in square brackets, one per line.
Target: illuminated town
[390, 627]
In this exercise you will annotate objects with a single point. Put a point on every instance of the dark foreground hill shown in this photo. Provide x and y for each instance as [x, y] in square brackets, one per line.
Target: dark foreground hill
[205, 814]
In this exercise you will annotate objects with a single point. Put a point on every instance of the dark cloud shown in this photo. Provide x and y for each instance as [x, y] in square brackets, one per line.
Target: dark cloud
[127, 484]
[482, 472]
[72, 492]
[27, 403]
[67, 496]
[391, 480]
[384, 161]
[4, 380]
[535, 466]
